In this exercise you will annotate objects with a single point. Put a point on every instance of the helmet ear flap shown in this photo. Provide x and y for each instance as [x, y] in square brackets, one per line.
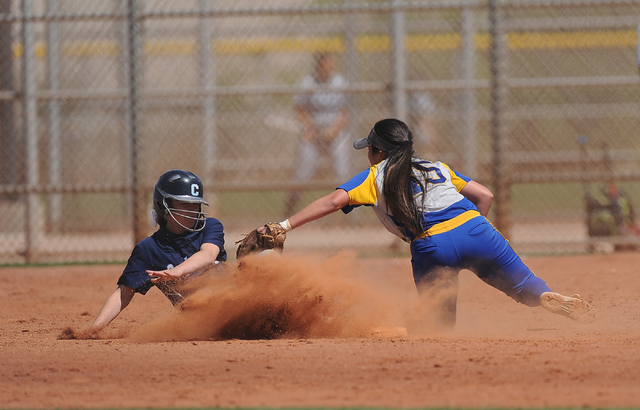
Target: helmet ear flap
[160, 214]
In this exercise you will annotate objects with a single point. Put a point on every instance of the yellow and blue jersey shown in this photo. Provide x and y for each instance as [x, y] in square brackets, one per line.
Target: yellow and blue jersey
[455, 236]
[441, 205]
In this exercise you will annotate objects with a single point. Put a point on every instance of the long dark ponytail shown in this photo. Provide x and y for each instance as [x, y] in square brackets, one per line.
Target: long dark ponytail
[398, 174]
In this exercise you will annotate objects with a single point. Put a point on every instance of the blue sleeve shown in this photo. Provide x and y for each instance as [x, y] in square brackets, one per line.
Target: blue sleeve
[135, 273]
[348, 208]
[214, 233]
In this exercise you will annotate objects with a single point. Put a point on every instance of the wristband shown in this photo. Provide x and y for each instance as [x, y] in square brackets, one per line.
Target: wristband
[286, 225]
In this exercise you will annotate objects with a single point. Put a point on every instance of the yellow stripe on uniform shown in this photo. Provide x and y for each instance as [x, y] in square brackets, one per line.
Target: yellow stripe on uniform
[450, 224]
[458, 182]
[367, 192]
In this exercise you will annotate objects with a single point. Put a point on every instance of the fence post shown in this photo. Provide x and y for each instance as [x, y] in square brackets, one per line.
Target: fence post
[33, 214]
[350, 61]
[207, 82]
[53, 63]
[134, 57]
[468, 123]
[499, 91]
[638, 51]
[9, 141]
[398, 32]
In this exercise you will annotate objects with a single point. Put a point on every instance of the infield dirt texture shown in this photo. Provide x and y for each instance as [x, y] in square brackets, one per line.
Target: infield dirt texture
[501, 354]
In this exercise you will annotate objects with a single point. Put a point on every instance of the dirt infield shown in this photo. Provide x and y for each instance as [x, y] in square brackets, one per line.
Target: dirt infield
[501, 354]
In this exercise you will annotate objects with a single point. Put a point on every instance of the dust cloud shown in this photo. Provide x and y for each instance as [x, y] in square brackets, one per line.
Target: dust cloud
[272, 296]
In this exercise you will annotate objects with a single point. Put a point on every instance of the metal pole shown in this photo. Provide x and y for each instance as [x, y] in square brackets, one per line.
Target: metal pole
[638, 51]
[122, 34]
[351, 70]
[499, 92]
[399, 63]
[9, 141]
[33, 215]
[135, 65]
[469, 112]
[584, 165]
[207, 82]
[55, 200]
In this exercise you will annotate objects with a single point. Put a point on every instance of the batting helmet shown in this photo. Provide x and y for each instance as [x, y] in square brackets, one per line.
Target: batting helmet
[184, 186]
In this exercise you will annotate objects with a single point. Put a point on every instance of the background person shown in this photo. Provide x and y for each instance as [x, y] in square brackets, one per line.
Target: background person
[186, 245]
[422, 111]
[323, 116]
[442, 215]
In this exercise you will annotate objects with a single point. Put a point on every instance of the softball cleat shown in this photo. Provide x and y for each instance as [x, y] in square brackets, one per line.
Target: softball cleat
[573, 307]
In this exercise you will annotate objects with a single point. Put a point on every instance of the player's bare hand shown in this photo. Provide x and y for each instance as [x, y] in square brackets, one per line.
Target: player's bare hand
[162, 275]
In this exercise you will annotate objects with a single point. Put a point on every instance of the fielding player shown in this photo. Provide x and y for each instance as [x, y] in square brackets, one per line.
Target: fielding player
[442, 215]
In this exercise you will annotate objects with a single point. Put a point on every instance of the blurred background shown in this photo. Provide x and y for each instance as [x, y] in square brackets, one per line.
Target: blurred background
[537, 99]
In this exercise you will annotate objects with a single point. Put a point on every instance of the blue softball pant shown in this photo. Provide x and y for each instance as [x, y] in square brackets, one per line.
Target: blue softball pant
[477, 246]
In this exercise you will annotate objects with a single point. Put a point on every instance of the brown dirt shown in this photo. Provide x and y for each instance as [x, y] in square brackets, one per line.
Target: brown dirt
[501, 354]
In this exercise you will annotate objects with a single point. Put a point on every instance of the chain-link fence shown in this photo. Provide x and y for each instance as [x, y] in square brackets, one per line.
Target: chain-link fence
[539, 100]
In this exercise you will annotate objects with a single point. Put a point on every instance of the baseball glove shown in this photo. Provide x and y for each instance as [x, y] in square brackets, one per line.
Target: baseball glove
[256, 241]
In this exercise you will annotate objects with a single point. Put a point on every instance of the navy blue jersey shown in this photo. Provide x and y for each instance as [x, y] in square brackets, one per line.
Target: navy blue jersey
[165, 250]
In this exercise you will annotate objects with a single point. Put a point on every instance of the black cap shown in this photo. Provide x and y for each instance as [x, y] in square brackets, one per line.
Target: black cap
[375, 140]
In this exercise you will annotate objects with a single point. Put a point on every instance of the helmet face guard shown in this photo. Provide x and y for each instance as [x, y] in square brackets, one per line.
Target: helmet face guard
[198, 217]
[181, 186]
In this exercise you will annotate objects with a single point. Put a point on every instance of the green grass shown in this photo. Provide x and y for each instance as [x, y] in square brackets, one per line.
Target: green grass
[65, 263]
[539, 200]
[562, 200]
[542, 200]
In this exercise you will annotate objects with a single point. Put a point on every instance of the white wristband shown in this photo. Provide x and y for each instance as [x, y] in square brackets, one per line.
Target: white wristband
[286, 225]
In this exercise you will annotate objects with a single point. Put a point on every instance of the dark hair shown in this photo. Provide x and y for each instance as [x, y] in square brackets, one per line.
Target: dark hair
[322, 56]
[398, 175]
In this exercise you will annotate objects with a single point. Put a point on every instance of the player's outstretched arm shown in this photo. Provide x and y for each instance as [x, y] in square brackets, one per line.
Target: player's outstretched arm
[203, 259]
[118, 300]
[321, 207]
[480, 195]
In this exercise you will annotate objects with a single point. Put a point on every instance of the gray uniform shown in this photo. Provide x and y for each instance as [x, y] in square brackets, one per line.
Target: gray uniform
[324, 107]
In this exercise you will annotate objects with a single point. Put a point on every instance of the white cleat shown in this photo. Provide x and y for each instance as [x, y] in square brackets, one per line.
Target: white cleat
[573, 307]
